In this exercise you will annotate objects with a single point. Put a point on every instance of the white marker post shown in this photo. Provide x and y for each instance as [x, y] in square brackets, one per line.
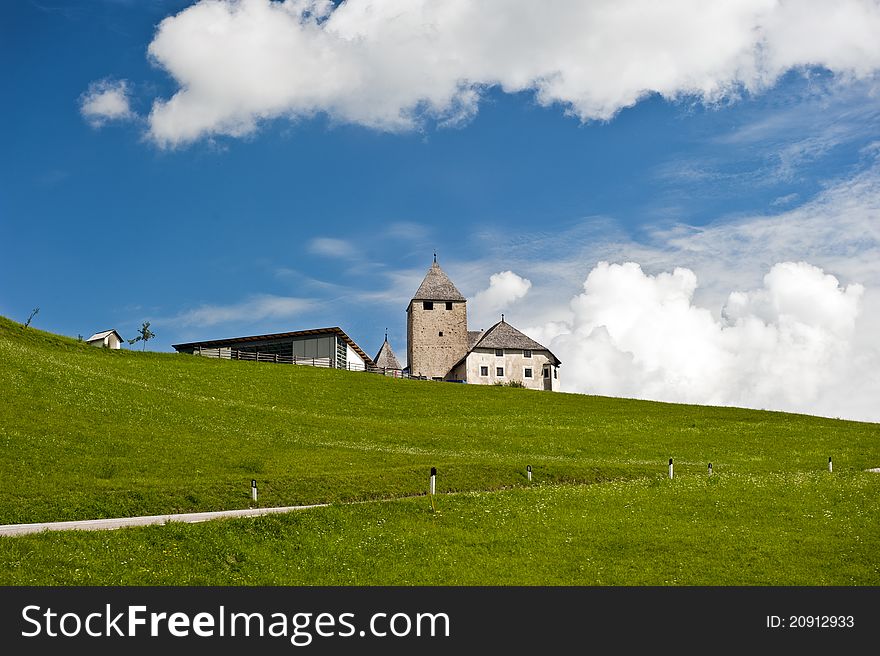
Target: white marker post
[670, 468]
[433, 481]
[829, 464]
[254, 489]
[529, 472]
[710, 469]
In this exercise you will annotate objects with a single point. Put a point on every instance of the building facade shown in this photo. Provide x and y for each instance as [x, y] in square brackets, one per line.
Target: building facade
[436, 326]
[505, 355]
[327, 347]
[440, 347]
[107, 339]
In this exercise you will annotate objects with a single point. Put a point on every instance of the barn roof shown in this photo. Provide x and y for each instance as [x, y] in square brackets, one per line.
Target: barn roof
[385, 358]
[103, 334]
[232, 341]
[437, 287]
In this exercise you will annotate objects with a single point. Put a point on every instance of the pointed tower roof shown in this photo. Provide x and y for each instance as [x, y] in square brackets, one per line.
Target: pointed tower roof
[437, 287]
[385, 358]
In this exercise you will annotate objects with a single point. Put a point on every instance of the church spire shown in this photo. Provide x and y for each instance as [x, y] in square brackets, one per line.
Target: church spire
[385, 358]
[437, 286]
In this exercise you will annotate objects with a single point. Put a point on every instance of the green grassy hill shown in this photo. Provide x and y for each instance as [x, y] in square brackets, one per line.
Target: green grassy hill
[89, 433]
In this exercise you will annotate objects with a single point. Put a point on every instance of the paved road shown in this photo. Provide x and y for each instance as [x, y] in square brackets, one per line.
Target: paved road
[120, 522]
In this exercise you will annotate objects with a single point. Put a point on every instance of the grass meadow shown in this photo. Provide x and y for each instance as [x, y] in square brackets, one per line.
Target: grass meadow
[89, 433]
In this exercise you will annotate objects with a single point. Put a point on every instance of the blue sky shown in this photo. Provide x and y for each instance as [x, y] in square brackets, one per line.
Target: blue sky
[324, 208]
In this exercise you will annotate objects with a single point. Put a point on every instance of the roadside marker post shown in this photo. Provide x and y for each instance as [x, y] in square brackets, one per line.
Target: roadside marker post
[710, 469]
[670, 468]
[433, 485]
[254, 489]
[830, 468]
[529, 472]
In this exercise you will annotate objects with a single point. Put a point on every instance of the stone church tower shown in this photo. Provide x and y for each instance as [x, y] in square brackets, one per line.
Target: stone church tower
[436, 326]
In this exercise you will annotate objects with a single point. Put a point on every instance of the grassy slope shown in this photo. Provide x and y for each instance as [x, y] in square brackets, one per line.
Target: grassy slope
[90, 433]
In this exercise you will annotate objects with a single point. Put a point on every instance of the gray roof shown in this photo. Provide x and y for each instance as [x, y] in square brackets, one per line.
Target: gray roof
[473, 337]
[232, 342]
[385, 358]
[437, 287]
[502, 335]
[101, 335]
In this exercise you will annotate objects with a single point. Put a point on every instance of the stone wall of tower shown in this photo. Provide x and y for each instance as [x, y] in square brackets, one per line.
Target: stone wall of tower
[430, 353]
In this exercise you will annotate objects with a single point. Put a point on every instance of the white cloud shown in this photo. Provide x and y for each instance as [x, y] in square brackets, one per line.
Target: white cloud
[505, 288]
[392, 64]
[787, 345]
[104, 101]
[838, 231]
[252, 310]
[407, 231]
[332, 247]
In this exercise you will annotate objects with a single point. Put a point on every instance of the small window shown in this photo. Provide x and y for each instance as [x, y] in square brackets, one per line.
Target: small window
[448, 305]
[527, 353]
[546, 372]
[441, 334]
[555, 373]
[437, 378]
[527, 372]
[484, 371]
[499, 352]
[499, 371]
[428, 305]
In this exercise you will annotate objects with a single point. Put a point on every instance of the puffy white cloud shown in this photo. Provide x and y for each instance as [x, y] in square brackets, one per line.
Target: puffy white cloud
[104, 101]
[787, 345]
[505, 288]
[391, 64]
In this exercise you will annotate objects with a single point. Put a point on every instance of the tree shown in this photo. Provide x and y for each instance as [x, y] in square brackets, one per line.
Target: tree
[144, 334]
[34, 313]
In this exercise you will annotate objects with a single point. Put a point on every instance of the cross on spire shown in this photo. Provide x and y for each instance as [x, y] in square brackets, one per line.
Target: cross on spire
[435, 257]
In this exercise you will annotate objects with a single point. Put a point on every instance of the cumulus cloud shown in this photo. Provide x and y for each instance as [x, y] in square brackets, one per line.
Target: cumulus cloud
[105, 101]
[505, 288]
[786, 345]
[392, 64]
[257, 308]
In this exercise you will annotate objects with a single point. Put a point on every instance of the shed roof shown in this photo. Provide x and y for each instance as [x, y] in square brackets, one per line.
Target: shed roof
[437, 287]
[103, 334]
[232, 341]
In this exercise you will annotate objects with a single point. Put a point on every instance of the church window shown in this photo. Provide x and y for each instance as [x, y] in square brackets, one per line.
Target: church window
[448, 305]
[527, 373]
[527, 353]
[499, 352]
[428, 305]
[546, 372]
[555, 374]
[484, 371]
[499, 371]
[441, 334]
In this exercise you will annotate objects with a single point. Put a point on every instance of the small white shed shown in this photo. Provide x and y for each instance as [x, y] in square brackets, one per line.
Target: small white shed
[107, 339]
